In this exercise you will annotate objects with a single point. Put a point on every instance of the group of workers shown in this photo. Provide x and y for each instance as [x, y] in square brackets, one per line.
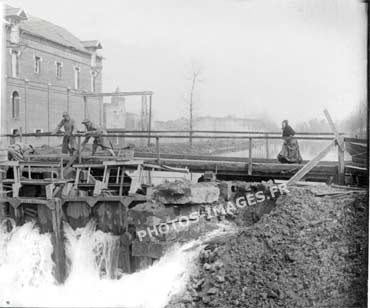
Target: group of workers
[92, 131]
[18, 150]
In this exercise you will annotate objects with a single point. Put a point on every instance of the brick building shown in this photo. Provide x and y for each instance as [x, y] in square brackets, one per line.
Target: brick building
[48, 71]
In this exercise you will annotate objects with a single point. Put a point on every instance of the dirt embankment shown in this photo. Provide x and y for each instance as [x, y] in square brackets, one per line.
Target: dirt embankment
[204, 147]
[309, 251]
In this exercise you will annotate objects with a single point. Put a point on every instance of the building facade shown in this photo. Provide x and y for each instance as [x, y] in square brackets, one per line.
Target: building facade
[48, 71]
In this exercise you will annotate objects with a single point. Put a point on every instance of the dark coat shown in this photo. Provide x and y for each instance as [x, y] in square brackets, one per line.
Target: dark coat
[288, 131]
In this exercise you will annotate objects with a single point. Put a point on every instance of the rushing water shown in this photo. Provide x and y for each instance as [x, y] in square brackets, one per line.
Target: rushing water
[26, 271]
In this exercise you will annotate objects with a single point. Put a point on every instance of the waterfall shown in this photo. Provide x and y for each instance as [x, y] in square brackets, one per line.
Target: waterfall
[26, 270]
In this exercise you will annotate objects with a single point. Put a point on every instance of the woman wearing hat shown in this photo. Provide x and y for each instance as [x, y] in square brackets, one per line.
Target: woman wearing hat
[290, 153]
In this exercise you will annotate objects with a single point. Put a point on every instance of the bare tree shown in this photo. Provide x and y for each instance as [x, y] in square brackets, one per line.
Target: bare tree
[195, 80]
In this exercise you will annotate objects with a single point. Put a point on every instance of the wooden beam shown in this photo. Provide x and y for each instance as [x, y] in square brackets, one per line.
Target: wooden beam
[119, 93]
[338, 137]
[150, 119]
[250, 159]
[340, 142]
[311, 164]
[58, 242]
[157, 150]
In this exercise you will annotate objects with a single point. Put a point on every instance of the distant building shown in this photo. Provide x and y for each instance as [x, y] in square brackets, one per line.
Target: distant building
[228, 124]
[48, 70]
[115, 112]
[117, 117]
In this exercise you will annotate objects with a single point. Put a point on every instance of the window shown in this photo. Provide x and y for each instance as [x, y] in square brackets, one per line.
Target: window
[93, 81]
[37, 65]
[15, 105]
[58, 71]
[15, 64]
[77, 77]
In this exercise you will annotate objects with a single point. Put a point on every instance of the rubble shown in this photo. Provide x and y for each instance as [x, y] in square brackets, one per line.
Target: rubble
[310, 251]
[184, 192]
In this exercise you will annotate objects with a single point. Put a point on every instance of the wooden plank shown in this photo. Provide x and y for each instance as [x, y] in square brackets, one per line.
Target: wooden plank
[59, 251]
[356, 168]
[250, 159]
[309, 166]
[157, 150]
[267, 146]
[121, 182]
[340, 142]
[341, 173]
[339, 138]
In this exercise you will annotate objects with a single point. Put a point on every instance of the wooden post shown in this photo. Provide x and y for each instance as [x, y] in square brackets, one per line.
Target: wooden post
[150, 119]
[157, 150]
[122, 180]
[29, 168]
[250, 156]
[49, 111]
[267, 146]
[68, 97]
[25, 107]
[61, 169]
[85, 106]
[58, 242]
[2, 194]
[340, 143]
[79, 148]
[191, 139]
[20, 134]
[341, 175]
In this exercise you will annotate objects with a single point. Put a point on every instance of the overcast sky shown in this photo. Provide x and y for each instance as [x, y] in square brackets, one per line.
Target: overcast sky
[286, 59]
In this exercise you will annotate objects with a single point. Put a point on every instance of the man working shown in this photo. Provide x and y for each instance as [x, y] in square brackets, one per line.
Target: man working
[93, 130]
[17, 151]
[69, 125]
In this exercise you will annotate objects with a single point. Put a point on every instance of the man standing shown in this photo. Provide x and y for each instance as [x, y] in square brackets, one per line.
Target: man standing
[93, 130]
[69, 125]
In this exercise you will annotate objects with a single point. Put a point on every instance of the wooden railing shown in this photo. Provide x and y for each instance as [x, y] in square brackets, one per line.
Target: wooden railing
[207, 134]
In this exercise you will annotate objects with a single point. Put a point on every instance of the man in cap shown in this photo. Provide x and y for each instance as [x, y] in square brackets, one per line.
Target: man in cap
[93, 130]
[69, 125]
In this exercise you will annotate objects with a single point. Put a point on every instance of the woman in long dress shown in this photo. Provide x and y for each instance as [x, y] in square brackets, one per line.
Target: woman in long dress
[289, 153]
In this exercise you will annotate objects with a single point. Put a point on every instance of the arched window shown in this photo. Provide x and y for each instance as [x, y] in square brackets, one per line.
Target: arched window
[15, 105]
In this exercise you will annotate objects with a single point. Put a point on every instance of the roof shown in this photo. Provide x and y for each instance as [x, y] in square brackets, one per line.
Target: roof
[92, 44]
[49, 31]
[15, 12]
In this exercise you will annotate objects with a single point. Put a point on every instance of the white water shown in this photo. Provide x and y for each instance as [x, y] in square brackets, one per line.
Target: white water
[26, 271]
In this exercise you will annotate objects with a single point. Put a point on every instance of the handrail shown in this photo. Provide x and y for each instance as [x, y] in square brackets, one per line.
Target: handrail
[264, 136]
[114, 130]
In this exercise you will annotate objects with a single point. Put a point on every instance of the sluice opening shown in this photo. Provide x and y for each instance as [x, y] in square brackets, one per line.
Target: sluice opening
[110, 231]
